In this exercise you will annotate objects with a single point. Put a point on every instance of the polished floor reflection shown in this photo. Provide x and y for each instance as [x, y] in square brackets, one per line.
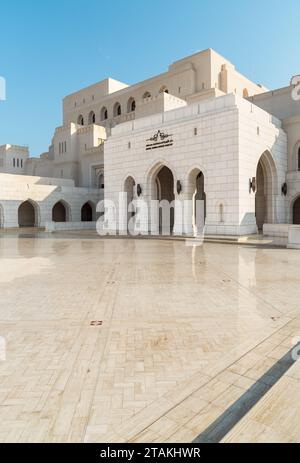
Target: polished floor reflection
[173, 317]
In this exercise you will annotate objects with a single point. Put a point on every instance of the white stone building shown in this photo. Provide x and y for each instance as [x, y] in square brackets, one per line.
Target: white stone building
[201, 130]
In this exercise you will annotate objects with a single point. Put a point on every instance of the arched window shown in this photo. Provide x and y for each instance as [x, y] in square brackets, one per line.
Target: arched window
[104, 114]
[92, 118]
[117, 110]
[164, 89]
[100, 181]
[80, 120]
[146, 95]
[299, 158]
[131, 105]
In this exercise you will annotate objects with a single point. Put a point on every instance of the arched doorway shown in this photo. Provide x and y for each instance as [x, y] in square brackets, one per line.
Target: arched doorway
[266, 183]
[87, 212]
[196, 193]
[129, 188]
[60, 212]
[27, 216]
[296, 212]
[164, 191]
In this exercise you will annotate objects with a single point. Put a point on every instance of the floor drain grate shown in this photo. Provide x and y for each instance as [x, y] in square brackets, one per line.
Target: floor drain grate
[96, 323]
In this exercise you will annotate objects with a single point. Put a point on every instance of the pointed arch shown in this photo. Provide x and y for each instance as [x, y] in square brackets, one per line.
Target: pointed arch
[195, 191]
[131, 105]
[61, 212]
[103, 114]
[92, 118]
[266, 190]
[28, 214]
[80, 120]
[117, 109]
[88, 212]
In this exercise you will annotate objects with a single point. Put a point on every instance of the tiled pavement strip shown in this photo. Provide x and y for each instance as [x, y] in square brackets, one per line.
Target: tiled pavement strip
[185, 332]
[184, 419]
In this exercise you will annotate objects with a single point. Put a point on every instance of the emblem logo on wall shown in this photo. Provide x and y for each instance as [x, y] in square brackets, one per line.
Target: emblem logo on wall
[159, 140]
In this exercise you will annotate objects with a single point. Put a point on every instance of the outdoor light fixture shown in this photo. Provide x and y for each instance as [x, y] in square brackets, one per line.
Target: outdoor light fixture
[179, 187]
[252, 185]
[139, 190]
[284, 189]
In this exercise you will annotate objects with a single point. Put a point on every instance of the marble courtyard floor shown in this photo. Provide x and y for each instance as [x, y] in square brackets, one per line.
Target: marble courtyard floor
[116, 340]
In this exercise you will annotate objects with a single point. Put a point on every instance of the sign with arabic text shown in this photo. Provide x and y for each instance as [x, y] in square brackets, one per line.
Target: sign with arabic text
[159, 140]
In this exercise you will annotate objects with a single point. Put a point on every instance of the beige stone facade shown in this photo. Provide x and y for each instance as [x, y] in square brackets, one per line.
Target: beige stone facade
[224, 140]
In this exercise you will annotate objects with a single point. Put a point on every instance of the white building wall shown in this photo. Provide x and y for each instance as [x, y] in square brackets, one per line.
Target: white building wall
[259, 132]
[214, 150]
[44, 194]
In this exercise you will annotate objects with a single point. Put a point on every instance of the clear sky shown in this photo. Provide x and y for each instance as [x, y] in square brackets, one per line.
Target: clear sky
[51, 48]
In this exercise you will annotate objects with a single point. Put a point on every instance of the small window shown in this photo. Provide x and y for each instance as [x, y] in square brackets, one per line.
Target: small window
[80, 120]
[163, 89]
[195, 131]
[14, 162]
[117, 110]
[18, 162]
[129, 145]
[258, 130]
[92, 118]
[104, 114]
[22, 163]
[299, 158]
[131, 106]
[65, 146]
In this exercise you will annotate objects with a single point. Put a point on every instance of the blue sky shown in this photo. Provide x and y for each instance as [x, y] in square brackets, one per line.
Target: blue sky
[51, 48]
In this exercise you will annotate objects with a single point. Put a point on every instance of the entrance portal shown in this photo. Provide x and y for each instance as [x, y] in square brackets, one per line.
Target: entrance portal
[164, 182]
[59, 213]
[266, 181]
[87, 213]
[26, 215]
[196, 193]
